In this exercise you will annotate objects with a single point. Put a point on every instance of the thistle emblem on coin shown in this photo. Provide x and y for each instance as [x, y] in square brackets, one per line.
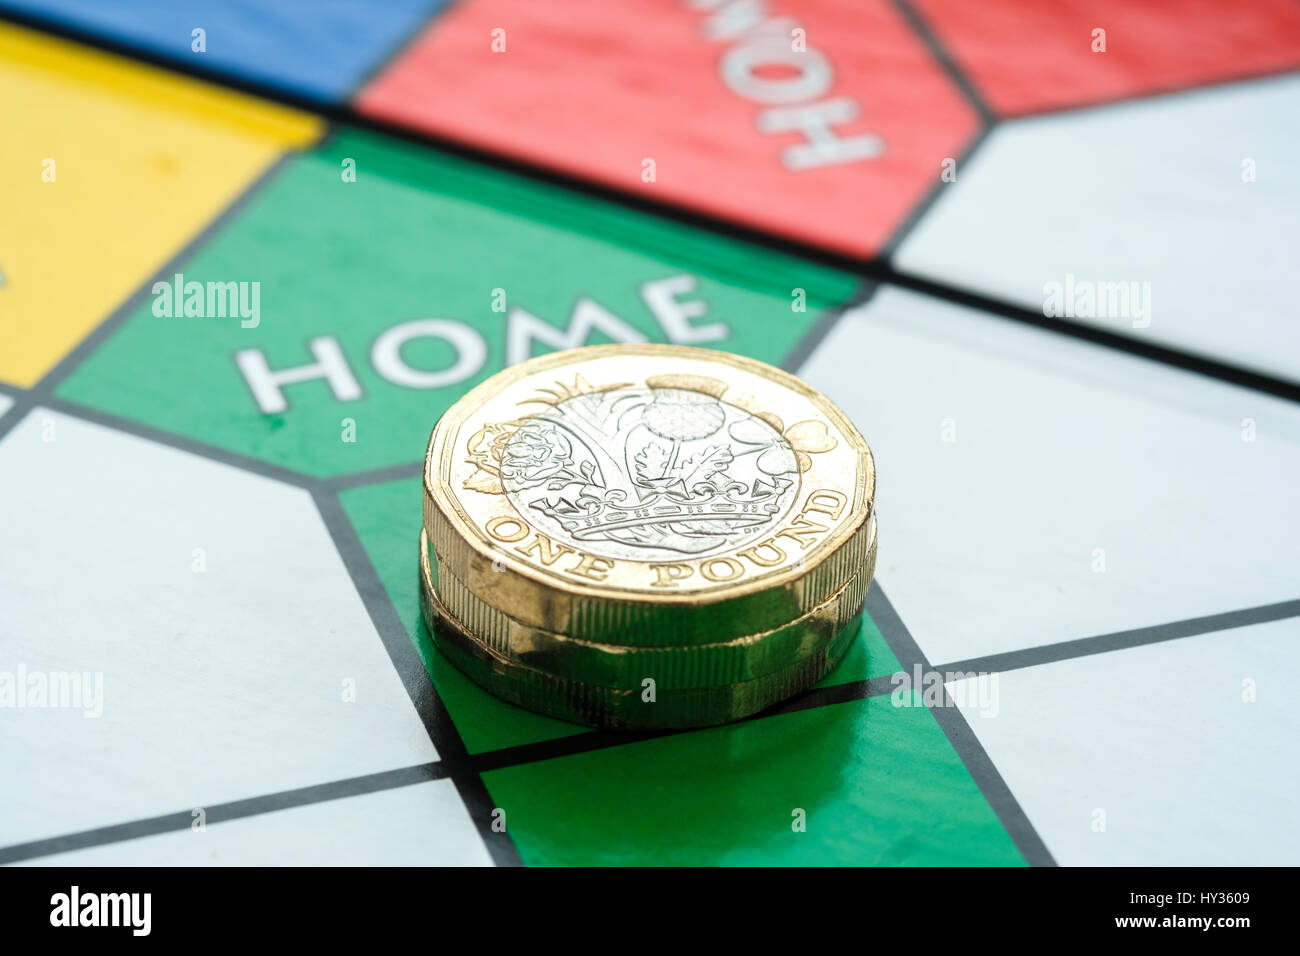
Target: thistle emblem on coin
[647, 472]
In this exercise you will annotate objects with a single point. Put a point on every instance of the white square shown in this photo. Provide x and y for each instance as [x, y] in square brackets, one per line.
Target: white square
[1182, 753]
[218, 615]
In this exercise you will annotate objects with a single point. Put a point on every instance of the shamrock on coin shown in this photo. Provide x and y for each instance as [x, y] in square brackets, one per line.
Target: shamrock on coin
[781, 450]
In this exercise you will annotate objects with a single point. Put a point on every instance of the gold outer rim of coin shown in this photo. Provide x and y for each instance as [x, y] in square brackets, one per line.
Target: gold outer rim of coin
[645, 616]
[623, 708]
[621, 665]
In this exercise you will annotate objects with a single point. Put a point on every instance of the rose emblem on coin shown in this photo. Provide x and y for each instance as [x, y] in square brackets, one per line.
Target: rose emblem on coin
[537, 453]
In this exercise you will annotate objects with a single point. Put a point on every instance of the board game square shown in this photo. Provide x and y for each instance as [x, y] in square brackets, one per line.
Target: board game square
[1024, 56]
[824, 121]
[315, 49]
[858, 783]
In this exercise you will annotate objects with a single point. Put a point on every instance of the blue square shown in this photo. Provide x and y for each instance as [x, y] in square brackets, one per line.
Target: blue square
[319, 50]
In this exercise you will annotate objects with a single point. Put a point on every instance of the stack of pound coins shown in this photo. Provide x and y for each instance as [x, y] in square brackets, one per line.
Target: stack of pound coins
[646, 536]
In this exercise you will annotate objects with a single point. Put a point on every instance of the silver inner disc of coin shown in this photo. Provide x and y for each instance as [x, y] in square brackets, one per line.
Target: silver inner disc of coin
[648, 474]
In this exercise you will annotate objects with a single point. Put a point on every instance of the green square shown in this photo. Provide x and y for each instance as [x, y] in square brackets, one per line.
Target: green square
[420, 240]
[875, 784]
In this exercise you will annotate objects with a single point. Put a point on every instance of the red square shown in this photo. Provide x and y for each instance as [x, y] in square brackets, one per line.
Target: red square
[1027, 56]
[825, 121]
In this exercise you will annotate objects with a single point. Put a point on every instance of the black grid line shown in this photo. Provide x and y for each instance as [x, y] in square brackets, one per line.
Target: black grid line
[804, 348]
[180, 442]
[922, 208]
[1242, 78]
[374, 476]
[406, 660]
[961, 737]
[1193, 362]
[397, 49]
[225, 812]
[920, 26]
[1123, 640]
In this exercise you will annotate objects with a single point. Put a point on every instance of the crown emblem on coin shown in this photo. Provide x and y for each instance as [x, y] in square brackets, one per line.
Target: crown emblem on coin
[688, 521]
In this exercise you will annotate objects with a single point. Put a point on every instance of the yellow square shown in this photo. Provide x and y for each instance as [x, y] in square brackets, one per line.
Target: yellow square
[107, 169]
